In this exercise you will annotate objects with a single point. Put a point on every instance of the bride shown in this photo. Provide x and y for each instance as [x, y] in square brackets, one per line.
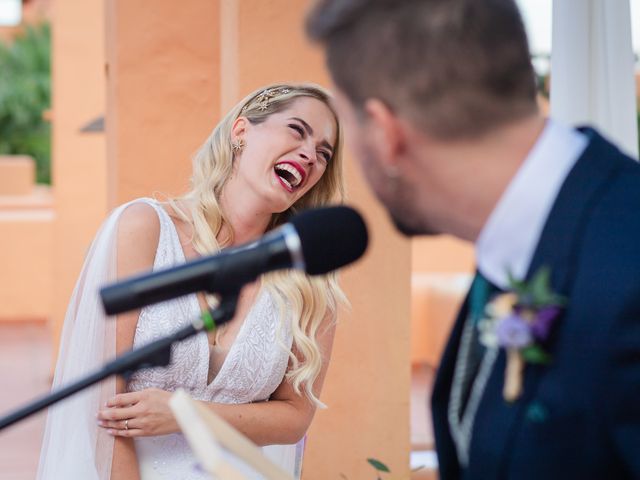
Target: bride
[276, 152]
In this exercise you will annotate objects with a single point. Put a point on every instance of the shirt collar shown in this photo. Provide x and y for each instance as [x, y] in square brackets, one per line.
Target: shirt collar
[509, 238]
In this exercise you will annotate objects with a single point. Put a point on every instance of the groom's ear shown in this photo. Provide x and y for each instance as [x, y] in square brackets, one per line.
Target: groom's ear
[387, 132]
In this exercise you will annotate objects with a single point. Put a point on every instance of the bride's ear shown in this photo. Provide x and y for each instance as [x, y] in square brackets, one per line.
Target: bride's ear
[239, 127]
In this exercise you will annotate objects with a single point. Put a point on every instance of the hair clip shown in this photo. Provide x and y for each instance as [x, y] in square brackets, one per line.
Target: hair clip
[264, 97]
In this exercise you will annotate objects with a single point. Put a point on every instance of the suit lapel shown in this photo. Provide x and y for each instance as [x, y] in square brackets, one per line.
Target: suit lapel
[497, 421]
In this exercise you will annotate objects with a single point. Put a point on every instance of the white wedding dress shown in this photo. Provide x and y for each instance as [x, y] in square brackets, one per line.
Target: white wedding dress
[254, 367]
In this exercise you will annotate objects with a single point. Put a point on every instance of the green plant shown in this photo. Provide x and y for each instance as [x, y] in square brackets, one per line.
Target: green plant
[380, 469]
[378, 466]
[25, 93]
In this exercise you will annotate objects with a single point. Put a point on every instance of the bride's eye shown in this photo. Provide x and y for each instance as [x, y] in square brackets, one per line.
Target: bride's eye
[297, 128]
[326, 156]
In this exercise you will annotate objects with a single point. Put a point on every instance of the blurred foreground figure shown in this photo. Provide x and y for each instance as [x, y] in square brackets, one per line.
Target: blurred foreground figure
[438, 100]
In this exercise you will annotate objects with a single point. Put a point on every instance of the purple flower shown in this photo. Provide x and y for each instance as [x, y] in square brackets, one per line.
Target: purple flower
[513, 332]
[543, 321]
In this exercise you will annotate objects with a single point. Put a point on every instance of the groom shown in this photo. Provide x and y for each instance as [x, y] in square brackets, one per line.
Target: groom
[439, 100]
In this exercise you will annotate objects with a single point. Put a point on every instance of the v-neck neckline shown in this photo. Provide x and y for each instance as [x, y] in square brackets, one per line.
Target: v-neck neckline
[197, 307]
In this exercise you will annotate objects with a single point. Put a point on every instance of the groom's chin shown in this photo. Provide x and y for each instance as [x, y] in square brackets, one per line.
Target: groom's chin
[408, 229]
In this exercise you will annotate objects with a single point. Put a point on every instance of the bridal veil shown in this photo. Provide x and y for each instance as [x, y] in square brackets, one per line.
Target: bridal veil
[73, 445]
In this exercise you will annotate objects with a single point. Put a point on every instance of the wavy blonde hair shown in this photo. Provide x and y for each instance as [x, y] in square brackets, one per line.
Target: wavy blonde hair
[309, 299]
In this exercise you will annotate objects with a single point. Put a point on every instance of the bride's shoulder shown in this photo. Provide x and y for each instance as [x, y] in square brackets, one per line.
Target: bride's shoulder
[139, 229]
[139, 215]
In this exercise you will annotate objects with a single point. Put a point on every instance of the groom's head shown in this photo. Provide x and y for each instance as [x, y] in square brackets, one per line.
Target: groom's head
[454, 67]
[451, 70]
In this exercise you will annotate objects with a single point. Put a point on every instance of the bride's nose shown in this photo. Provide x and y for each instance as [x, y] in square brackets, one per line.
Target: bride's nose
[307, 155]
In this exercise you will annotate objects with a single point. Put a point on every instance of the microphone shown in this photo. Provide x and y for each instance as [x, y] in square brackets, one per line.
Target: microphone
[316, 241]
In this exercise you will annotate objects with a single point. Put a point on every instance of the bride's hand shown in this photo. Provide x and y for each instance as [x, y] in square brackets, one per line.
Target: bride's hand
[138, 414]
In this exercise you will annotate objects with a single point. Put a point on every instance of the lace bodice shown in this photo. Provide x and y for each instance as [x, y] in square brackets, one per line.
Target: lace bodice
[254, 367]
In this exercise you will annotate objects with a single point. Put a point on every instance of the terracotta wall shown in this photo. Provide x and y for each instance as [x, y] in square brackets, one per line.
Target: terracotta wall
[172, 68]
[26, 236]
[441, 254]
[442, 267]
[163, 92]
[78, 158]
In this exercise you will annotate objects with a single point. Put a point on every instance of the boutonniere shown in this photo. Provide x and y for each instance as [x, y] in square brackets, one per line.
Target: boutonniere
[520, 321]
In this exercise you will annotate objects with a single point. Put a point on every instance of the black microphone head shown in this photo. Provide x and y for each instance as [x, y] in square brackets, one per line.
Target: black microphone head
[331, 237]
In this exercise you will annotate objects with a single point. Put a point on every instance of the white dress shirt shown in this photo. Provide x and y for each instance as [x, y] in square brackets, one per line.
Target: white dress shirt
[509, 237]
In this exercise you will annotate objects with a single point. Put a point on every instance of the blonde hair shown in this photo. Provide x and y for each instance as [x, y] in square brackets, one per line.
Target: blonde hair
[309, 299]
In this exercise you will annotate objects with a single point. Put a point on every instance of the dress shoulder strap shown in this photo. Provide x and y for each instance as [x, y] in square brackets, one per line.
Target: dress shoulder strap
[169, 250]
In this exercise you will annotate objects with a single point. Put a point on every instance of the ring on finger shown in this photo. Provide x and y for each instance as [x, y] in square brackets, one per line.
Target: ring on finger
[126, 424]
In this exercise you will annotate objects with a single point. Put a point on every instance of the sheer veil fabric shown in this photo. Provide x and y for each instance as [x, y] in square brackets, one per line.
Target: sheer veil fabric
[73, 445]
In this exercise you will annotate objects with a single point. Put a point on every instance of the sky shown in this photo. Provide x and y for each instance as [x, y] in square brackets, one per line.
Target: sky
[9, 12]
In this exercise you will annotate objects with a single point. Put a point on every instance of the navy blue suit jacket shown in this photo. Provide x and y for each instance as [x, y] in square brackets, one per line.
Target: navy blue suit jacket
[578, 417]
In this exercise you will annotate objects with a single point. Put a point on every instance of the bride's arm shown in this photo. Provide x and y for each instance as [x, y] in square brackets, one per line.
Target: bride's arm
[138, 233]
[284, 419]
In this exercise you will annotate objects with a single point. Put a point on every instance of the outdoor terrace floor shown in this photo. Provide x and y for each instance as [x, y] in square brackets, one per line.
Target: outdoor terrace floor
[25, 356]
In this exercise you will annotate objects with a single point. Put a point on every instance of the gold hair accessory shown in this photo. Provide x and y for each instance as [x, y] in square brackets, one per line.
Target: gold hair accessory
[237, 145]
[265, 97]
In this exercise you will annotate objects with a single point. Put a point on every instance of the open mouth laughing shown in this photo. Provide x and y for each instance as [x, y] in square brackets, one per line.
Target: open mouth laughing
[290, 174]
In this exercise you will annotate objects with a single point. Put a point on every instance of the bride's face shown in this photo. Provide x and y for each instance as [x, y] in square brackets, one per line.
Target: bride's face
[286, 155]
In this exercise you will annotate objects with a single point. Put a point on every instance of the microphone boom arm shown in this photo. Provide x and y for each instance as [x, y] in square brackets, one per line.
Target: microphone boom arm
[154, 354]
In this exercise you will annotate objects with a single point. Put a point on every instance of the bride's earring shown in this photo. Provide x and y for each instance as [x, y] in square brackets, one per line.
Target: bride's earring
[237, 145]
